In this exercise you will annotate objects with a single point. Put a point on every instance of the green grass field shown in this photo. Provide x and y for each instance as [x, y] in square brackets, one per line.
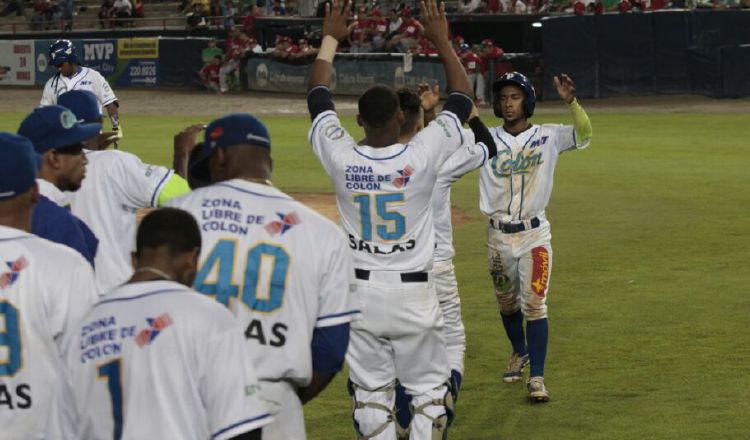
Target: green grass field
[649, 300]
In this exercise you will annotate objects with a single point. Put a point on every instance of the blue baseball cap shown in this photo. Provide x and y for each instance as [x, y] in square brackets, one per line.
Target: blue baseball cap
[83, 104]
[232, 129]
[55, 127]
[18, 165]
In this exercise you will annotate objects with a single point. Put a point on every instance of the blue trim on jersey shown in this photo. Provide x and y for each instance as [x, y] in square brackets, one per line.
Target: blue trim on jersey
[226, 185]
[315, 126]
[497, 134]
[523, 185]
[143, 295]
[510, 202]
[246, 421]
[484, 153]
[530, 138]
[381, 158]
[338, 315]
[159, 186]
[456, 121]
[20, 237]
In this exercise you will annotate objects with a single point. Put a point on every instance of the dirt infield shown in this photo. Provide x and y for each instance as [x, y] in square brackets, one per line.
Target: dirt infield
[195, 102]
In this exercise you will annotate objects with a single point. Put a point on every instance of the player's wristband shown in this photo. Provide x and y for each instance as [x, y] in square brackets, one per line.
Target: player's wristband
[328, 49]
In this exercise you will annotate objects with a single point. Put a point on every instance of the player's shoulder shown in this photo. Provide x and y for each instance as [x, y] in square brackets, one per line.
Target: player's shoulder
[112, 156]
[314, 217]
[53, 256]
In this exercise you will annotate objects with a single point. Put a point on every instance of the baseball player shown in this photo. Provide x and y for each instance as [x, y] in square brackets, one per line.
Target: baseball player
[116, 186]
[419, 110]
[281, 268]
[71, 76]
[383, 193]
[515, 188]
[57, 136]
[155, 359]
[45, 289]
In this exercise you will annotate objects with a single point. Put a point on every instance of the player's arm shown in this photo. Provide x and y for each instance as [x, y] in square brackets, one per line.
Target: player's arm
[48, 94]
[328, 352]
[334, 30]
[482, 133]
[460, 99]
[581, 122]
[184, 143]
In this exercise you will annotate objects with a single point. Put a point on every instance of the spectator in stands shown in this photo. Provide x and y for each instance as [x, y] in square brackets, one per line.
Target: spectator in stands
[579, 7]
[424, 47]
[283, 48]
[407, 35]
[12, 6]
[66, 14]
[305, 49]
[248, 23]
[489, 54]
[104, 13]
[210, 52]
[359, 38]
[394, 23]
[514, 6]
[39, 20]
[139, 10]
[209, 74]
[378, 30]
[229, 12]
[216, 8]
[235, 47]
[624, 6]
[470, 6]
[121, 10]
[473, 66]
[197, 12]
[279, 9]
[253, 46]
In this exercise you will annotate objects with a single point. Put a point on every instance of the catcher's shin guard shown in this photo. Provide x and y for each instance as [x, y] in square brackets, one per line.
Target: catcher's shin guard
[438, 406]
[373, 411]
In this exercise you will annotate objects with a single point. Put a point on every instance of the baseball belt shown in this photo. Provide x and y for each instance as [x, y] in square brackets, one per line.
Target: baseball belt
[512, 228]
[406, 277]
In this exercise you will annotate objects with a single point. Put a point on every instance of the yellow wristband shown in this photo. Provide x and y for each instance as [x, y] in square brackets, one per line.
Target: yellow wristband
[328, 49]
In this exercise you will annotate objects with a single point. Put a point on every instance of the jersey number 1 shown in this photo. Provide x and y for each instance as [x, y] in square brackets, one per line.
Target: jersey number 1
[223, 255]
[112, 372]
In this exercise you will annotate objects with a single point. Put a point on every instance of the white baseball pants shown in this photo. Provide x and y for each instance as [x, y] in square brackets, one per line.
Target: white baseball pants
[450, 304]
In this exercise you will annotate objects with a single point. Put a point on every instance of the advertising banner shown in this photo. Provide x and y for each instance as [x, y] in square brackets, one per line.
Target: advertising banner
[138, 62]
[351, 75]
[17, 62]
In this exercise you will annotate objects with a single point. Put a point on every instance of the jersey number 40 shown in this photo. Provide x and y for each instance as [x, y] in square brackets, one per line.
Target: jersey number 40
[261, 297]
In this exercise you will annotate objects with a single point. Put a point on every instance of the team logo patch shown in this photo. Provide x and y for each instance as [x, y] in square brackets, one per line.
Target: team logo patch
[8, 278]
[540, 272]
[216, 133]
[403, 176]
[156, 325]
[285, 223]
[68, 119]
[333, 132]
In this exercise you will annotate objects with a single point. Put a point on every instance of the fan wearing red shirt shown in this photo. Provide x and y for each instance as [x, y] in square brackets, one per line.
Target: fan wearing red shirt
[378, 29]
[489, 53]
[209, 74]
[359, 39]
[234, 48]
[407, 35]
[473, 65]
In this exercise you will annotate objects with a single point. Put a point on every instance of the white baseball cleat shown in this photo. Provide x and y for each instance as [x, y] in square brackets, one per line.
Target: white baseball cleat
[537, 391]
[514, 371]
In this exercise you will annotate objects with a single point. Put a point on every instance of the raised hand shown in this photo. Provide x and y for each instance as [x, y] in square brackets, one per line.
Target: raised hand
[433, 21]
[334, 23]
[566, 89]
[429, 96]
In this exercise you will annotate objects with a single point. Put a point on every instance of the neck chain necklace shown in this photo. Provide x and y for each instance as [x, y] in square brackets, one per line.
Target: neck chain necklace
[154, 271]
[261, 181]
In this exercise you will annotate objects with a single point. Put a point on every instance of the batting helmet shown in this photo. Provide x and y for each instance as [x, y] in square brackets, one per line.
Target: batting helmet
[515, 79]
[61, 51]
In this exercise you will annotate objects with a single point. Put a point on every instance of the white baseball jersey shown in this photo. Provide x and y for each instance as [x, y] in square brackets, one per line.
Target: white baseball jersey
[45, 289]
[467, 158]
[84, 79]
[282, 268]
[384, 194]
[117, 184]
[517, 183]
[157, 360]
[50, 191]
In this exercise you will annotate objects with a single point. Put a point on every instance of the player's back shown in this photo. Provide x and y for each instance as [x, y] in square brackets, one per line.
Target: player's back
[44, 289]
[157, 360]
[281, 268]
[117, 184]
